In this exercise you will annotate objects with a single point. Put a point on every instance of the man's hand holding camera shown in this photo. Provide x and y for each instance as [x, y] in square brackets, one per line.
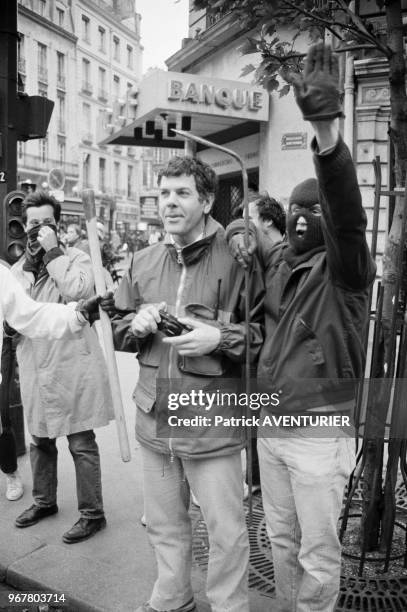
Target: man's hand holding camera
[146, 320]
[202, 340]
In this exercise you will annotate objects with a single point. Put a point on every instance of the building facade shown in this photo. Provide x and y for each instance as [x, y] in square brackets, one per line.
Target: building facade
[271, 136]
[85, 56]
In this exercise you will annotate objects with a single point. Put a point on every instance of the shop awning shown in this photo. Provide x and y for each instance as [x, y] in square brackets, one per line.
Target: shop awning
[218, 109]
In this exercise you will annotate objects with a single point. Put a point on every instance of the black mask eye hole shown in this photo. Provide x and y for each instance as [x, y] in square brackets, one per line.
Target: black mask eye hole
[315, 209]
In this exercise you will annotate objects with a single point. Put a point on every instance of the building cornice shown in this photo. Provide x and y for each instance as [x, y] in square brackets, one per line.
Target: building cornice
[372, 67]
[216, 37]
[47, 23]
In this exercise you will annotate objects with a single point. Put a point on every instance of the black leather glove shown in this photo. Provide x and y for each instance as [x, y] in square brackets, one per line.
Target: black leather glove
[317, 88]
[238, 250]
[9, 331]
[107, 303]
[90, 307]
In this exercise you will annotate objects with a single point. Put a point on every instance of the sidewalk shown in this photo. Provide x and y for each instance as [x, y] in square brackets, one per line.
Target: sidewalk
[112, 572]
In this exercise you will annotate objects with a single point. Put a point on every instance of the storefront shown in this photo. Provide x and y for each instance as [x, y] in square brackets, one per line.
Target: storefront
[228, 113]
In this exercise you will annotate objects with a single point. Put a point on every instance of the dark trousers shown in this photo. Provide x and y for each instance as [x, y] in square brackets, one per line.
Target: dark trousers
[85, 454]
[8, 451]
[255, 463]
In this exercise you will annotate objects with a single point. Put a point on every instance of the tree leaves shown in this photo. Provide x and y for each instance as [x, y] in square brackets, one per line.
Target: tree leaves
[247, 70]
[284, 90]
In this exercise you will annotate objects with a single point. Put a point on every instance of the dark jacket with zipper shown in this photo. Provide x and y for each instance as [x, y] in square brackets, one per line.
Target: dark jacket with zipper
[200, 278]
[316, 305]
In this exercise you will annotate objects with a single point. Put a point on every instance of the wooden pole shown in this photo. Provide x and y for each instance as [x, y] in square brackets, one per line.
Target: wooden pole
[88, 201]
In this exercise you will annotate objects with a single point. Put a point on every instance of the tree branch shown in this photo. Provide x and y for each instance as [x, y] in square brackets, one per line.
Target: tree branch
[284, 58]
[360, 27]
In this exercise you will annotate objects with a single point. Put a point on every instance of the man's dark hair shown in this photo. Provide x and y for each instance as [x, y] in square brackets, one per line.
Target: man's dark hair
[37, 199]
[270, 209]
[205, 177]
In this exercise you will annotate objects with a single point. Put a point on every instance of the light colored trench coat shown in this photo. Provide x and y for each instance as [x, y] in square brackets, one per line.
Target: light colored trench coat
[63, 382]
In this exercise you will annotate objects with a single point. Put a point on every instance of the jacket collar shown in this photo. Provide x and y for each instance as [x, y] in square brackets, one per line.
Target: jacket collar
[302, 260]
[194, 251]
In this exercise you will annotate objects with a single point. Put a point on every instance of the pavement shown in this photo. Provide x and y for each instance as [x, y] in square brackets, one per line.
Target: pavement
[115, 570]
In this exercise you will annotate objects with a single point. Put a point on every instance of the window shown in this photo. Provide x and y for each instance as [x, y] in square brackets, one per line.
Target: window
[102, 174]
[116, 49]
[147, 174]
[86, 84]
[85, 28]
[60, 69]
[102, 93]
[60, 17]
[42, 7]
[61, 113]
[42, 90]
[42, 62]
[130, 181]
[158, 156]
[61, 151]
[116, 176]
[102, 39]
[86, 115]
[116, 86]
[86, 170]
[20, 149]
[43, 146]
[129, 56]
[21, 53]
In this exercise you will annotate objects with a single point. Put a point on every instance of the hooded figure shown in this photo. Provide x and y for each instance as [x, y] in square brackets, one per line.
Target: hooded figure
[304, 226]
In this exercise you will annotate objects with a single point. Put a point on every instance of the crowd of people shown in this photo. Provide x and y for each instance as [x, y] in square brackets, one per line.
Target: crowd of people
[310, 271]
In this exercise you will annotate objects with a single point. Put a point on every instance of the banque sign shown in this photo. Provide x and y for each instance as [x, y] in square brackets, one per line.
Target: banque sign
[209, 95]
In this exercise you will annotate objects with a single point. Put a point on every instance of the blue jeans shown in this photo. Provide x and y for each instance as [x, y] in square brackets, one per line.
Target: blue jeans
[303, 481]
[218, 485]
[85, 454]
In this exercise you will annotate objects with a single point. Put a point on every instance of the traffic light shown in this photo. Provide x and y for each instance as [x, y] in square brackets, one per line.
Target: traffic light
[13, 233]
[33, 116]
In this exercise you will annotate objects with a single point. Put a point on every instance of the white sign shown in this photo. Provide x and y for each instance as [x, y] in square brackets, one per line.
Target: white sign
[207, 94]
[58, 194]
[162, 91]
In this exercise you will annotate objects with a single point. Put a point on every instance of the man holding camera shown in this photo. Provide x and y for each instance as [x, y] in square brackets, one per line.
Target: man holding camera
[192, 275]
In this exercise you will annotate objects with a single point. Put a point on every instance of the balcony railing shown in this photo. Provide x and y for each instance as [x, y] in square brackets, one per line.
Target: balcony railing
[61, 81]
[87, 87]
[32, 162]
[87, 138]
[42, 74]
[21, 65]
[120, 192]
[102, 95]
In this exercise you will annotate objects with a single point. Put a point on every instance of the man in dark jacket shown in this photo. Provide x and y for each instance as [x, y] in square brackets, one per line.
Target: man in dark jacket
[316, 310]
[190, 273]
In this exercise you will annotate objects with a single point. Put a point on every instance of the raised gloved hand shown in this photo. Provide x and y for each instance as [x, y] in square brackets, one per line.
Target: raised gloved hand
[238, 250]
[317, 89]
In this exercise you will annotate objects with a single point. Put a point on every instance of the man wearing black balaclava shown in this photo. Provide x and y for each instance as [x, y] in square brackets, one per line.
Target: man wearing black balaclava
[316, 311]
[63, 382]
